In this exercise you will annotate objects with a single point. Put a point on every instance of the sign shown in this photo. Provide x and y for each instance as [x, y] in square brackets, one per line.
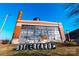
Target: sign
[31, 46]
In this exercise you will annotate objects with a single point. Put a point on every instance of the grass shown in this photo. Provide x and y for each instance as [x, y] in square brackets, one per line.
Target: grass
[61, 50]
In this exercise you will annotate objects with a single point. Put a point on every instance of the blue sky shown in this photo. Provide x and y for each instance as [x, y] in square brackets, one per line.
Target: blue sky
[52, 12]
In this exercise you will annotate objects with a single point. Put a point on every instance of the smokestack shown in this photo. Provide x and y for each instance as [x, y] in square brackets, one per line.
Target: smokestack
[20, 15]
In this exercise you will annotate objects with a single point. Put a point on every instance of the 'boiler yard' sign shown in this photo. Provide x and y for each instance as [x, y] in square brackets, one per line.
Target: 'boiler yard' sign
[31, 46]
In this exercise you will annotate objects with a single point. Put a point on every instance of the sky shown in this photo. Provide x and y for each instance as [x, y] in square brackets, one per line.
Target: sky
[52, 12]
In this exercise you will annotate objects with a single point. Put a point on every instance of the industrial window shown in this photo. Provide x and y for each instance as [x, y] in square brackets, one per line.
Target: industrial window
[57, 34]
[43, 32]
[35, 32]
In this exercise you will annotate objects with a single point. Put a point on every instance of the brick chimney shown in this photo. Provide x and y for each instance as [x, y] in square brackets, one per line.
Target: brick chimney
[17, 29]
[20, 15]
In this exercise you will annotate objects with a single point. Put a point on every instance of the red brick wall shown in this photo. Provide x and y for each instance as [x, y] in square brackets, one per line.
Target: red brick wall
[17, 32]
[62, 32]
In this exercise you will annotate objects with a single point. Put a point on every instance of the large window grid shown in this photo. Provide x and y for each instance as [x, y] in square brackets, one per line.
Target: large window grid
[34, 32]
[57, 34]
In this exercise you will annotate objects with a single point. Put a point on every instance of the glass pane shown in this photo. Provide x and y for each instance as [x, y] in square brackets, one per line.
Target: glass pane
[37, 32]
[34, 32]
[30, 32]
[56, 28]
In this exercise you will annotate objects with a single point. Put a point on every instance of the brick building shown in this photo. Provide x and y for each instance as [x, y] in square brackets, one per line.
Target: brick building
[35, 31]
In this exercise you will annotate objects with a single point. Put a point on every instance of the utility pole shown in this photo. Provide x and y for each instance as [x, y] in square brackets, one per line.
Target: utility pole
[1, 29]
[68, 35]
[4, 23]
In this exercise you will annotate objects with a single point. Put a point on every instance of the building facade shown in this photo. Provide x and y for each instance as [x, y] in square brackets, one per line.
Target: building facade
[73, 36]
[37, 31]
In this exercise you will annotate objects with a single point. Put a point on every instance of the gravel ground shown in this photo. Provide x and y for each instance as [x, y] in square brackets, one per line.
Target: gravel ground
[8, 50]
